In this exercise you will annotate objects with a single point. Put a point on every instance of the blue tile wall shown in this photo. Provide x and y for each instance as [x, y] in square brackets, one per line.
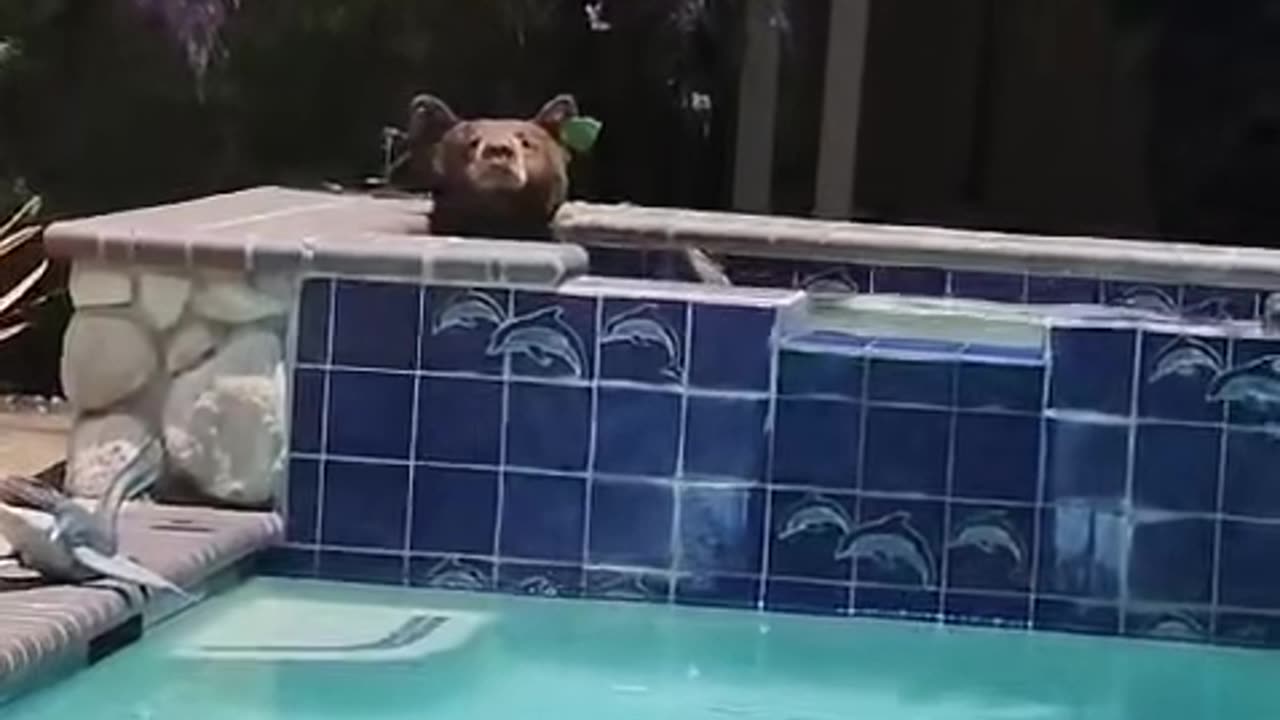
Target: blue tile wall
[1117, 482]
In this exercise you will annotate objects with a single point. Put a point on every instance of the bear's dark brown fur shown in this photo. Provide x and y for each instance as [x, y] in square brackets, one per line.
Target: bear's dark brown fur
[505, 178]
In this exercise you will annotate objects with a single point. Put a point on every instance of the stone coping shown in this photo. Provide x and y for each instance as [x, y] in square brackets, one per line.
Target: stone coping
[874, 244]
[47, 631]
[279, 230]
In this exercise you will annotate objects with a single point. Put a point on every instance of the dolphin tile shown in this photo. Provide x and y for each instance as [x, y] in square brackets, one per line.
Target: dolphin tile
[1002, 287]
[1251, 385]
[720, 530]
[643, 341]
[442, 438]
[454, 510]
[896, 542]
[815, 443]
[375, 324]
[313, 321]
[1175, 467]
[1169, 623]
[308, 411]
[637, 432]
[303, 501]
[1092, 369]
[631, 524]
[725, 438]
[1245, 579]
[450, 572]
[831, 278]
[550, 581]
[731, 347]
[997, 457]
[1153, 578]
[1176, 374]
[370, 415]
[543, 517]
[990, 548]
[366, 505]
[1209, 303]
[810, 598]
[807, 531]
[457, 327]
[1250, 487]
[363, 567]
[905, 451]
[1155, 297]
[549, 336]
[548, 426]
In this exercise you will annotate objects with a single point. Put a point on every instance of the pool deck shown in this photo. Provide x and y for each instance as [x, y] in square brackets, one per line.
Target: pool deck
[47, 631]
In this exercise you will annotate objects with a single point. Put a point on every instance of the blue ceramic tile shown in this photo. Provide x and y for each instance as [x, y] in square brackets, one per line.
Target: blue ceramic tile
[999, 386]
[909, 280]
[1164, 299]
[308, 410]
[721, 530]
[961, 608]
[454, 511]
[1176, 374]
[790, 596]
[370, 415]
[1073, 616]
[832, 277]
[1175, 467]
[990, 548]
[815, 443]
[897, 603]
[1246, 577]
[906, 451]
[1168, 623]
[1247, 630]
[550, 581]
[1081, 552]
[631, 524]
[997, 457]
[288, 562]
[725, 438]
[717, 591]
[1048, 289]
[1092, 370]
[808, 530]
[805, 372]
[896, 542]
[1251, 386]
[637, 586]
[549, 336]
[1206, 303]
[731, 347]
[548, 426]
[376, 324]
[459, 326]
[988, 286]
[543, 517]
[1251, 489]
[1085, 461]
[643, 341]
[637, 432]
[364, 505]
[443, 437]
[304, 501]
[449, 572]
[313, 321]
[1155, 575]
[924, 382]
[360, 567]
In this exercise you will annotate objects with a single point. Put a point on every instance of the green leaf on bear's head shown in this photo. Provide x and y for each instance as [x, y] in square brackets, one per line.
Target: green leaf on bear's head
[580, 133]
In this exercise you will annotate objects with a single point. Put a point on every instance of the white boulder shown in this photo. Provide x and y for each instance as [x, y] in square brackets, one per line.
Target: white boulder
[93, 285]
[162, 298]
[99, 448]
[235, 303]
[105, 358]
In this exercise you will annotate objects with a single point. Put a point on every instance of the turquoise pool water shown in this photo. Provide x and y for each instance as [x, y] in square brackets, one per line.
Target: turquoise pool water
[390, 653]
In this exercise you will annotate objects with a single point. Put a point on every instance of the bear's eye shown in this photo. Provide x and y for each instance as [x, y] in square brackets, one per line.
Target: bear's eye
[524, 143]
[473, 143]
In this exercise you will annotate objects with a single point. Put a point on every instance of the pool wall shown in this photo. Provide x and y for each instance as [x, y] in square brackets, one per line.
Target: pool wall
[480, 415]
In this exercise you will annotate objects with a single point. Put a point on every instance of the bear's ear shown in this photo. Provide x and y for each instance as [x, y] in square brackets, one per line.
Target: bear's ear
[429, 119]
[555, 113]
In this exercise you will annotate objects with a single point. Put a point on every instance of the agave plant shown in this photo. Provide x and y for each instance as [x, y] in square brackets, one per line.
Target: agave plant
[14, 234]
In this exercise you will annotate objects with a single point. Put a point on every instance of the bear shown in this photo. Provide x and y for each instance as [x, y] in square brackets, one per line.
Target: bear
[506, 179]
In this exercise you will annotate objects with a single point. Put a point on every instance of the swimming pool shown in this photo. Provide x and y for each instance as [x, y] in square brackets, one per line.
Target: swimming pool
[268, 650]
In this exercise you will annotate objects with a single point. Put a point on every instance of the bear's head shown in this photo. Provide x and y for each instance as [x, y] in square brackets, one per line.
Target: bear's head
[489, 177]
